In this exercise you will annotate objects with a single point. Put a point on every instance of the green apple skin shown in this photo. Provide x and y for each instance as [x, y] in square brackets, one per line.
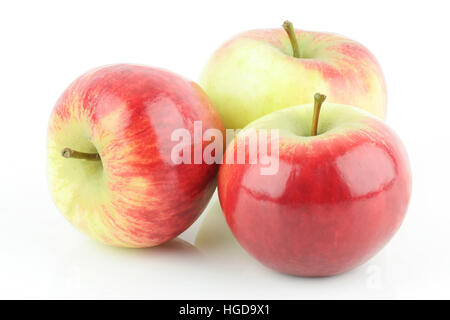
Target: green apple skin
[255, 73]
[336, 199]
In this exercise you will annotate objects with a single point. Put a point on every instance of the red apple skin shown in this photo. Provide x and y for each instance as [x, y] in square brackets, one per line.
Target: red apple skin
[129, 113]
[332, 205]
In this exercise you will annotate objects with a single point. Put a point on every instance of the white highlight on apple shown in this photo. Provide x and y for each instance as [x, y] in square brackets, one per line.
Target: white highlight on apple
[251, 148]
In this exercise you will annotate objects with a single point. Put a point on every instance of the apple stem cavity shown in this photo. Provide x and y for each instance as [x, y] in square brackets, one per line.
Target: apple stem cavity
[289, 28]
[69, 153]
[318, 100]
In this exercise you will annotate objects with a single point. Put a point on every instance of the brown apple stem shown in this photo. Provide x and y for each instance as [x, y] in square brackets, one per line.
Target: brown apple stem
[289, 28]
[69, 153]
[318, 100]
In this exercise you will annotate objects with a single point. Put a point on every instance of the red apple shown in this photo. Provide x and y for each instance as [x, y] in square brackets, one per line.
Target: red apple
[335, 200]
[115, 179]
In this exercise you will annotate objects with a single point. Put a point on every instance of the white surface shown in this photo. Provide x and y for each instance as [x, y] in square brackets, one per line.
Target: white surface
[45, 45]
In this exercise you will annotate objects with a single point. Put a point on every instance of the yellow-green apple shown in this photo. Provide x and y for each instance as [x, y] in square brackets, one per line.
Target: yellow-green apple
[261, 71]
[338, 196]
[110, 162]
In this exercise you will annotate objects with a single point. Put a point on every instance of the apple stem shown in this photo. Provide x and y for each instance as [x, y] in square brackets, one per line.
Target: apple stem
[289, 28]
[318, 100]
[69, 153]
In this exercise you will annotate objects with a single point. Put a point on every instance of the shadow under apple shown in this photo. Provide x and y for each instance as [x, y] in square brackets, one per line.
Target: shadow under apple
[92, 270]
[215, 239]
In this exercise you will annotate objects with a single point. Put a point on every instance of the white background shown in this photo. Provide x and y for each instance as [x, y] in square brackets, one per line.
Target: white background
[45, 45]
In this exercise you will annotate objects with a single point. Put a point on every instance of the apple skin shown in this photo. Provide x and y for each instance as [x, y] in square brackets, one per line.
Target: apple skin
[335, 201]
[254, 74]
[135, 196]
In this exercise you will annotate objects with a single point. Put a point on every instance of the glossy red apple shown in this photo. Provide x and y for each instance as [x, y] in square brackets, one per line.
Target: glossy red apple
[110, 165]
[336, 199]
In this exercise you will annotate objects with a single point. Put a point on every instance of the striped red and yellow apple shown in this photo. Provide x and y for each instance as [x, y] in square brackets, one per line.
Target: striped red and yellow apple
[260, 71]
[337, 198]
[109, 155]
